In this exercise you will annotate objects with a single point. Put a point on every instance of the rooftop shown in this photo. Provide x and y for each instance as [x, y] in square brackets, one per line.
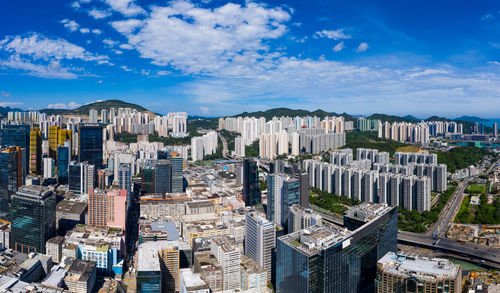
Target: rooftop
[72, 207]
[147, 254]
[422, 268]
[80, 270]
[316, 238]
[250, 266]
[367, 211]
[192, 281]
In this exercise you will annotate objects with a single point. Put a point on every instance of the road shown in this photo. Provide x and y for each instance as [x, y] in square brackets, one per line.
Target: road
[225, 151]
[479, 253]
[449, 211]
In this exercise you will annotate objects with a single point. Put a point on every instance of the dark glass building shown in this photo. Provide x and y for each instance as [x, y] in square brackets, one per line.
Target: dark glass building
[12, 175]
[332, 259]
[33, 215]
[163, 177]
[282, 192]
[251, 190]
[90, 144]
[63, 159]
[17, 135]
[75, 177]
[147, 181]
[177, 174]
[304, 189]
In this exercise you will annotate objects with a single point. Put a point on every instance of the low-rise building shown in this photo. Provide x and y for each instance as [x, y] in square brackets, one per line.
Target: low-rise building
[81, 276]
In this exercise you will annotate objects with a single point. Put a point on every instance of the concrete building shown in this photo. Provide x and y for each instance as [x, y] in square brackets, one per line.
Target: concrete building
[81, 276]
[108, 208]
[227, 252]
[192, 283]
[409, 273]
[53, 247]
[302, 218]
[260, 240]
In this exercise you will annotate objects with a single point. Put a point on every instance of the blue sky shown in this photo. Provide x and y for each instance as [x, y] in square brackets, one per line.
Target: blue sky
[213, 57]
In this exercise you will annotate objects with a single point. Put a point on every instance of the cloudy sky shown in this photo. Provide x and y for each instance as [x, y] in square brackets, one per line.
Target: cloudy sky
[214, 57]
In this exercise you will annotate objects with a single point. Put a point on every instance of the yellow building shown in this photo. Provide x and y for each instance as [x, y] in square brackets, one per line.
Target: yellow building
[63, 136]
[35, 160]
[53, 141]
[170, 269]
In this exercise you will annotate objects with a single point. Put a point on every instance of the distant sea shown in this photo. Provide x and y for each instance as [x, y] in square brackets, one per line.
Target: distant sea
[491, 121]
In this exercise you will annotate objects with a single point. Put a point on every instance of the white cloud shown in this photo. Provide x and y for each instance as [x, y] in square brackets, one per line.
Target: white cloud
[125, 7]
[10, 104]
[332, 34]
[126, 46]
[339, 47]
[96, 31]
[84, 30]
[197, 40]
[71, 25]
[494, 62]
[125, 68]
[419, 73]
[43, 57]
[362, 47]
[71, 105]
[163, 72]
[5, 94]
[109, 42]
[488, 17]
[119, 52]
[99, 14]
[205, 110]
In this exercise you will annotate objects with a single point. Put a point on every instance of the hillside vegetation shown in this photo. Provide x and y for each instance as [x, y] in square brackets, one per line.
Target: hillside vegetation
[461, 157]
[370, 140]
[84, 110]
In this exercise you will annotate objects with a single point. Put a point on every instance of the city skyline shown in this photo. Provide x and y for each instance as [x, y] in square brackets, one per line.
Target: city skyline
[215, 58]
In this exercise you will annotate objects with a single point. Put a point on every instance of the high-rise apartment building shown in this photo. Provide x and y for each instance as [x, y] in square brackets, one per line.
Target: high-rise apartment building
[93, 116]
[333, 259]
[90, 148]
[260, 240]
[107, 208]
[33, 215]
[12, 175]
[403, 273]
[251, 190]
[35, 154]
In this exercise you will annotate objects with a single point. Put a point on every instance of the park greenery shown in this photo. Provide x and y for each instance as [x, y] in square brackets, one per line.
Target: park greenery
[461, 157]
[418, 222]
[331, 202]
[476, 188]
[252, 150]
[483, 213]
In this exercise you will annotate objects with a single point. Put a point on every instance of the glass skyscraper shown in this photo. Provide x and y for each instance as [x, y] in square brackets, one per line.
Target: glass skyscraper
[332, 259]
[163, 176]
[177, 174]
[63, 159]
[33, 215]
[11, 177]
[90, 144]
[17, 135]
[251, 190]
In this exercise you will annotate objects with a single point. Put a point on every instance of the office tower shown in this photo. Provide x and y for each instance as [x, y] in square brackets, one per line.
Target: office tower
[48, 168]
[11, 177]
[227, 252]
[260, 240]
[302, 218]
[163, 154]
[163, 176]
[17, 135]
[177, 174]
[333, 259]
[170, 257]
[251, 190]
[63, 160]
[409, 273]
[283, 192]
[53, 141]
[81, 177]
[147, 181]
[35, 154]
[33, 215]
[495, 129]
[90, 144]
[304, 189]
[107, 208]
[92, 116]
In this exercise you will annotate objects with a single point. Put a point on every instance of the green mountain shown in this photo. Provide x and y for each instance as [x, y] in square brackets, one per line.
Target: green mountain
[393, 118]
[84, 110]
[472, 119]
[278, 112]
